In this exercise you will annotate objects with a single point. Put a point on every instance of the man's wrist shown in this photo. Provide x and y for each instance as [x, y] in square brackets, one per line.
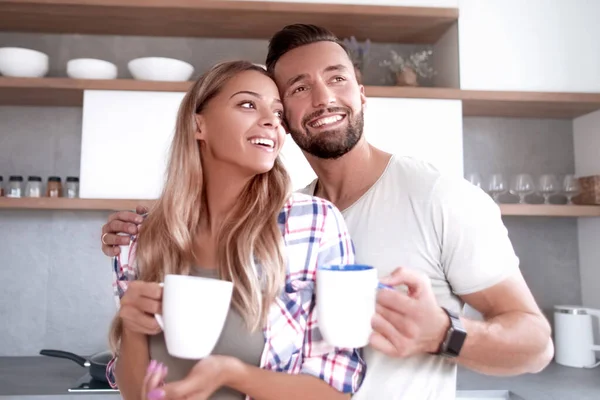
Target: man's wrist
[442, 330]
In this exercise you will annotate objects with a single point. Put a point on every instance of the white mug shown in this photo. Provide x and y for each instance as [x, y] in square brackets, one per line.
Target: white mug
[346, 298]
[194, 310]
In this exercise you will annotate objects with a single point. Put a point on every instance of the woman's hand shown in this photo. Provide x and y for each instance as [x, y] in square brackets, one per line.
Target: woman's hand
[207, 376]
[155, 375]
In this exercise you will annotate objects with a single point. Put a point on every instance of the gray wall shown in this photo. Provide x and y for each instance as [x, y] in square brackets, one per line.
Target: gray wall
[58, 283]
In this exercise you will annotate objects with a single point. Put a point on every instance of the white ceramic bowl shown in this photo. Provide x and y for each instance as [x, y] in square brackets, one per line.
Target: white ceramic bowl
[91, 68]
[160, 69]
[24, 63]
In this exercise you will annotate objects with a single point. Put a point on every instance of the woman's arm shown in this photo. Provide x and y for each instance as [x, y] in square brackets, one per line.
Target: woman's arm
[261, 384]
[213, 372]
[131, 365]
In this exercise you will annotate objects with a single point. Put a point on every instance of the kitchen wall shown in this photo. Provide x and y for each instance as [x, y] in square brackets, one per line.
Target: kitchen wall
[57, 281]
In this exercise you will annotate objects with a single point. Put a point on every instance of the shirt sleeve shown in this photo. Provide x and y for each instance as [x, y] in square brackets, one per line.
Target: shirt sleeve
[476, 250]
[124, 270]
[341, 368]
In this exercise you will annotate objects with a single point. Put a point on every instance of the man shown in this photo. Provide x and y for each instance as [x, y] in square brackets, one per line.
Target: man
[436, 236]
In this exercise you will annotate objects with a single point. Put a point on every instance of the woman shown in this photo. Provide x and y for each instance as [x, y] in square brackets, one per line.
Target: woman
[226, 212]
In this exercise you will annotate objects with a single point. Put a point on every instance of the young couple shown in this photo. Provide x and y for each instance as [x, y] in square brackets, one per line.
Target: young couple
[227, 212]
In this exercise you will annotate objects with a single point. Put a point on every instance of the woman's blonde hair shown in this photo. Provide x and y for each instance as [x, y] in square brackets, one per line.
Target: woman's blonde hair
[249, 244]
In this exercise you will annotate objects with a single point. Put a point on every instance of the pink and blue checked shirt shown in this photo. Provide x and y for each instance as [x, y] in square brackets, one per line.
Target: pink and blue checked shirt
[314, 233]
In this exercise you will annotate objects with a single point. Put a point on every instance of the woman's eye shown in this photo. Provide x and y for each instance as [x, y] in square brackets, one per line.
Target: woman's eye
[247, 104]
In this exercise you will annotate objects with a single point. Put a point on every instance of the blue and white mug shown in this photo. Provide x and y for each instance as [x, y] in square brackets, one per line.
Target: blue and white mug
[346, 298]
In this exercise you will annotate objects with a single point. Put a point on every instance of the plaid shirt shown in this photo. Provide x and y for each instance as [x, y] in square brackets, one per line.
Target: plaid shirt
[314, 233]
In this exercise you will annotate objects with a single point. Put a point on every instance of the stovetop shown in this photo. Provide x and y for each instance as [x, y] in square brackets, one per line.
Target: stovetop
[87, 384]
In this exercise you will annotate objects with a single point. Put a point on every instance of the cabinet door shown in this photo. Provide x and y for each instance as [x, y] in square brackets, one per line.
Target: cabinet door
[533, 45]
[427, 129]
[125, 143]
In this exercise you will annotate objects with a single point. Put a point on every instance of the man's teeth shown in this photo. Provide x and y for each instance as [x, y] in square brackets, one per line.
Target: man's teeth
[263, 141]
[326, 121]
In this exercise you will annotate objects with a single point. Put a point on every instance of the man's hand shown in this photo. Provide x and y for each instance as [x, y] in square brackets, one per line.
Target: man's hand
[139, 304]
[205, 378]
[409, 323]
[120, 222]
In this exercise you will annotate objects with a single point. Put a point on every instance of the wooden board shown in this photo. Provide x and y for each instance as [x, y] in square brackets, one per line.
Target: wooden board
[45, 203]
[69, 92]
[549, 210]
[224, 19]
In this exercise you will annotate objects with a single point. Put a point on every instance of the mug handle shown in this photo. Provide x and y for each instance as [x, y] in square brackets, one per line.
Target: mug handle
[159, 317]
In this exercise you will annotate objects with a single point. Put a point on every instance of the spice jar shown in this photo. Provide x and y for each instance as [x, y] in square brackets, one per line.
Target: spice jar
[15, 186]
[72, 187]
[34, 187]
[54, 187]
[1, 186]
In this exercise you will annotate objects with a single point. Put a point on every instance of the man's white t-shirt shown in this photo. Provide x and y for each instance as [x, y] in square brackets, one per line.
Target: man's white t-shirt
[416, 217]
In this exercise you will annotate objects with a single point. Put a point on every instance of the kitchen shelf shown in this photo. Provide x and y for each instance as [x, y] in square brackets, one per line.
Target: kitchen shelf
[69, 92]
[224, 19]
[549, 210]
[51, 203]
[46, 203]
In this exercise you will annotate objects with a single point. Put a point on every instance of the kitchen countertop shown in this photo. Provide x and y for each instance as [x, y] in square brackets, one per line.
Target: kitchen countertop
[46, 376]
[556, 382]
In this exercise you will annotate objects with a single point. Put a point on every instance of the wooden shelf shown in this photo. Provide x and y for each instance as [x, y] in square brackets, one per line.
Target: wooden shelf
[528, 104]
[223, 19]
[45, 203]
[549, 210]
[69, 92]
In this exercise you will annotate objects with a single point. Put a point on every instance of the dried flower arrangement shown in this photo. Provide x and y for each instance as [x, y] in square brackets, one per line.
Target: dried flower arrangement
[408, 70]
[359, 53]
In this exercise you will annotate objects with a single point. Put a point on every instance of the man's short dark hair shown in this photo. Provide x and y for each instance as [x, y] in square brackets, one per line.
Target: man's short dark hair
[296, 35]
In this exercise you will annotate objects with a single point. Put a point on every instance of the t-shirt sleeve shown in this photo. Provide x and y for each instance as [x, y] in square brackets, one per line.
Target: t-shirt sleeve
[476, 251]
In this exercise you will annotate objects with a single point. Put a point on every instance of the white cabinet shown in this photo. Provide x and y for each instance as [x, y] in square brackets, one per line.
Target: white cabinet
[422, 128]
[126, 138]
[533, 45]
[586, 141]
[125, 143]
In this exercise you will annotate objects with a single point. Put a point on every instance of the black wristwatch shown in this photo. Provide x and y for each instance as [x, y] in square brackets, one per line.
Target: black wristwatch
[455, 336]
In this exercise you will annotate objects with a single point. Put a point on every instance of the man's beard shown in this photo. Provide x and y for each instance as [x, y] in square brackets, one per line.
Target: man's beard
[330, 144]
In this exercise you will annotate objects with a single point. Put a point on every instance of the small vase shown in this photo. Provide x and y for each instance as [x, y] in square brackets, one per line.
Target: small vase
[407, 77]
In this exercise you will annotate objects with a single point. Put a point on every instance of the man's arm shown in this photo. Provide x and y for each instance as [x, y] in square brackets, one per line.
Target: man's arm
[481, 267]
[515, 337]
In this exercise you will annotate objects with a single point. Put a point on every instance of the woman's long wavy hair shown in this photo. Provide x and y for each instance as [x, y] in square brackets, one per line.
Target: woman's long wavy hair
[250, 245]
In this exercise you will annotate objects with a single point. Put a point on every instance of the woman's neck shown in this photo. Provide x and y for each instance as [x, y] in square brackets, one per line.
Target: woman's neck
[222, 188]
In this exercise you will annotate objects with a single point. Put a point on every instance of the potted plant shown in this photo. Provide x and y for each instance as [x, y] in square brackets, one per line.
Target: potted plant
[359, 54]
[407, 70]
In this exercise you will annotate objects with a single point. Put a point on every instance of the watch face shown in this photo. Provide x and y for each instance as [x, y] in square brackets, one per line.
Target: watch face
[455, 341]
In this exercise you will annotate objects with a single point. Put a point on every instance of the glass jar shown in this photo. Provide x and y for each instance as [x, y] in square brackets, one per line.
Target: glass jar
[15, 186]
[72, 187]
[1, 186]
[54, 187]
[34, 187]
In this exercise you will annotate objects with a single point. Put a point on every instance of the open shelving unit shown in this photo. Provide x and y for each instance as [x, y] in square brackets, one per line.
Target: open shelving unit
[46, 203]
[257, 20]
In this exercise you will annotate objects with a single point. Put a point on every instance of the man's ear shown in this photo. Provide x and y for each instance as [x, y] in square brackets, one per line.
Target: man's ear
[363, 95]
[200, 133]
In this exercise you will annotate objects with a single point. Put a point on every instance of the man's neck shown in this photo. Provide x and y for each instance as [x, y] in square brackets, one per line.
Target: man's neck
[344, 180]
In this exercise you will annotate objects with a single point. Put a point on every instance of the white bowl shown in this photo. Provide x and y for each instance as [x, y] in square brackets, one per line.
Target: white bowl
[24, 63]
[160, 69]
[91, 68]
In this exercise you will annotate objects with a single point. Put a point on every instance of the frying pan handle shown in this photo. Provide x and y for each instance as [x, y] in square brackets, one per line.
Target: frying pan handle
[65, 354]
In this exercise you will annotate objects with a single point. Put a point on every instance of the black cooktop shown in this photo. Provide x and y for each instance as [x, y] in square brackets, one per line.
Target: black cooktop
[88, 384]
